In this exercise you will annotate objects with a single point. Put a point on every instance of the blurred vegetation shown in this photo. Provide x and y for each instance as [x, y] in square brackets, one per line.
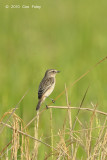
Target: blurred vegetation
[70, 36]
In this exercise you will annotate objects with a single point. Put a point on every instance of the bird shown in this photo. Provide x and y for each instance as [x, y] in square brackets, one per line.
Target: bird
[46, 86]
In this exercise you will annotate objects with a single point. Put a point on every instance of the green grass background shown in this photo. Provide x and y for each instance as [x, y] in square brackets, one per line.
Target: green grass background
[70, 36]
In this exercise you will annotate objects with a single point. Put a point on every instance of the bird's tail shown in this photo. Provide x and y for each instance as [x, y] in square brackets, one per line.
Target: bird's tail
[38, 105]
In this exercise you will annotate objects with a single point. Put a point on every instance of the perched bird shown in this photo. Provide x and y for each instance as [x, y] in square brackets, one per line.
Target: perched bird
[46, 86]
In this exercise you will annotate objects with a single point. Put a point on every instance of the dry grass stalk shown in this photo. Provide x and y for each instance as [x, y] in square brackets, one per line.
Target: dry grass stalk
[7, 154]
[80, 123]
[78, 139]
[70, 121]
[75, 152]
[48, 156]
[17, 121]
[64, 124]
[36, 144]
[6, 147]
[62, 150]
[22, 144]
[97, 151]
[89, 135]
[87, 109]
[27, 152]
[4, 154]
[104, 147]
[51, 127]
[80, 107]
[15, 138]
[34, 118]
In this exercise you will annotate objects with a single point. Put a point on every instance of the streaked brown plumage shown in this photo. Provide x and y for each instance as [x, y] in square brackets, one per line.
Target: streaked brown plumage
[46, 86]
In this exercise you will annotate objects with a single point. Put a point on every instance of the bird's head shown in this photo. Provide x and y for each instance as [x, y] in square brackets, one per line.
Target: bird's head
[51, 72]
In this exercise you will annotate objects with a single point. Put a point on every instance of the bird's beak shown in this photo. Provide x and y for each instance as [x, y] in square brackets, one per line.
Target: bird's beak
[58, 71]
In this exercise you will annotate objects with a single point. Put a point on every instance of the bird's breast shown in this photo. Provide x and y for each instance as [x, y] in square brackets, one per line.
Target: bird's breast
[49, 91]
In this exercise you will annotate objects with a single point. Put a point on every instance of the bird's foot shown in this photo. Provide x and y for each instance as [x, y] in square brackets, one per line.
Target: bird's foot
[47, 107]
[53, 101]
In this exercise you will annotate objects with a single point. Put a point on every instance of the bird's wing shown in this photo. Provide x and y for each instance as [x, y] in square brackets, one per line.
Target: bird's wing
[45, 84]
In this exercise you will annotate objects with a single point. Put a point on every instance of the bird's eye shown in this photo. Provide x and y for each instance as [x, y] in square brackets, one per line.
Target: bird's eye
[53, 71]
